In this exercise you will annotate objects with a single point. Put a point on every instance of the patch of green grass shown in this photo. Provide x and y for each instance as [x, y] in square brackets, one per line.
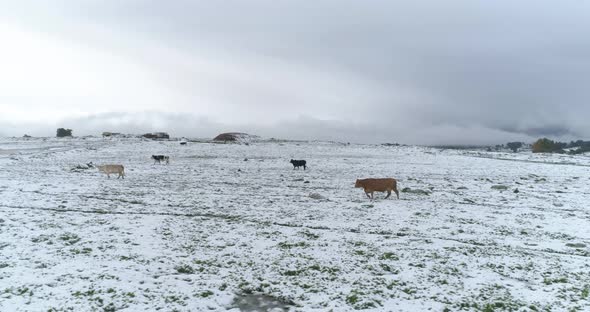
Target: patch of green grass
[585, 292]
[69, 238]
[88, 293]
[387, 268]
[110, 308]
[468, 306]
[315, 267]
[286, 245]
[206, 294]
[173, 299]
[107, 277]
[205, 262]
[360, 252]
[324, 269]
[389, 256]
[549, 281]
[292, 272]
[366, 305]
[309, 235]
[496, 306]
[184, 269]
[392, 284]
[84, 251]
[353, 298]
[41, 238]
[245, 288]
[23, 290]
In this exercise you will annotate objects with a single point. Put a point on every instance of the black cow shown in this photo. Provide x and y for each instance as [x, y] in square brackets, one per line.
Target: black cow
[298, 163]
[160, 158]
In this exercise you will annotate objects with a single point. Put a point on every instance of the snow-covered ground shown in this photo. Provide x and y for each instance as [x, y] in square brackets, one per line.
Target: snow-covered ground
[229, 226]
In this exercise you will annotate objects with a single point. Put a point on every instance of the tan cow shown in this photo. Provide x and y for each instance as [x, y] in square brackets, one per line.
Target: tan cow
[108, 169]
[378, 185]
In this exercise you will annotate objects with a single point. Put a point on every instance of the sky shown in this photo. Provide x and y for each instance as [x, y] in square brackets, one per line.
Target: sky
[414, 72]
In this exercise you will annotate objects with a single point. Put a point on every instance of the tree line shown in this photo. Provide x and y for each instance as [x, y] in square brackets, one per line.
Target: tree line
[545, 145]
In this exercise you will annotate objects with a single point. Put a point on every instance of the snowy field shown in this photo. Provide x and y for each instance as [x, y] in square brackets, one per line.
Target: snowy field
[213, 231]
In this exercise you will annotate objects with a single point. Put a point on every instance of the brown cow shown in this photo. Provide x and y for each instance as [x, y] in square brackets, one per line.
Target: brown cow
[378, 185]
[108, 169]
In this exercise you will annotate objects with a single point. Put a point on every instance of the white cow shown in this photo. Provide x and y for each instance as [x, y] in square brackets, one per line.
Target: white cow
[108, 169]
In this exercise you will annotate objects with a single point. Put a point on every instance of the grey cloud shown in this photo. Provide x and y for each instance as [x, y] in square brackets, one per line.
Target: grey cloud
[298, 128]
[423, 72]
[547, 131]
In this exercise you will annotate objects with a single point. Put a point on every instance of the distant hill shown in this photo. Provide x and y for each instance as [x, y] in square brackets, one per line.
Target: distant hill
[238, 137]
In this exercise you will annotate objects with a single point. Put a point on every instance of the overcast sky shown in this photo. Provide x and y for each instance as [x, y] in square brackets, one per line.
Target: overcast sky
[423, 72]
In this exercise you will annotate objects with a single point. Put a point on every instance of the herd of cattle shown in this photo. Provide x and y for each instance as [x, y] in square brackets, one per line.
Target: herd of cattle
[369, 185]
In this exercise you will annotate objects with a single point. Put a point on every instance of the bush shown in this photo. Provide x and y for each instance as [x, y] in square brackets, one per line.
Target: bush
[545, 145]
[580, 150]
[514, 146]
[61, 132]
[579, 143]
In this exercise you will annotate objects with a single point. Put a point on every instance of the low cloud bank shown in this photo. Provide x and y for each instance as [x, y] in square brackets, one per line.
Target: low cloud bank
[300, 128]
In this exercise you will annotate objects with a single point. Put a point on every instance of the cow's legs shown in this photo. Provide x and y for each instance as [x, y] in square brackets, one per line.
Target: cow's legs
[388, 194]
[108, 176]
[304, 167]
[367, 193]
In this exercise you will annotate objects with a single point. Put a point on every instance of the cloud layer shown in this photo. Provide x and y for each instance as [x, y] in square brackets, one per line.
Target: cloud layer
[426, 72]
